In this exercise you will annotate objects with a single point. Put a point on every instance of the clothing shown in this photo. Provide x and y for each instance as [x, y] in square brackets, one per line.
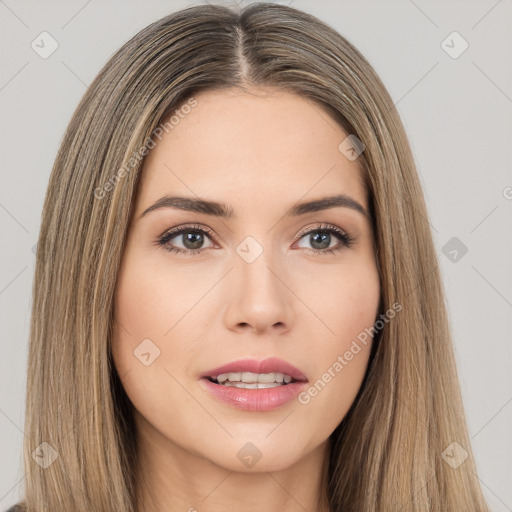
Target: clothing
[16, 508]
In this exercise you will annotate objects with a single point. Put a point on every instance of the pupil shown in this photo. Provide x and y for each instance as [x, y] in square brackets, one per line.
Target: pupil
[189, 241]
[324, 236]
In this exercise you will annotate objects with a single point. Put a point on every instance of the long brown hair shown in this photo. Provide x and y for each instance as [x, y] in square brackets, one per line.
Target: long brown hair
[387, 454]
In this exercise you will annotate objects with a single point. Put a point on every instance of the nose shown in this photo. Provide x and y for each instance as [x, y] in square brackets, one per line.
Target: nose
[259, 298]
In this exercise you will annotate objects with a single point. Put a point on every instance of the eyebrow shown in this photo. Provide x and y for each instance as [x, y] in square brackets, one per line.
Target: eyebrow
[222, 210]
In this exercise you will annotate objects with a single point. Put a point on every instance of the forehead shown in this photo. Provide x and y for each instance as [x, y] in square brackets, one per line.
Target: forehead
[235, 145]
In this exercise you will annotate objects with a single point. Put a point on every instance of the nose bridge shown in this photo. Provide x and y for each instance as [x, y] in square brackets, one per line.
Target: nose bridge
[256, 268]
[260, 297]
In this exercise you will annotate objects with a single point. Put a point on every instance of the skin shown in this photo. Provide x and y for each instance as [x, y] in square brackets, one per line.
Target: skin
[260, 153]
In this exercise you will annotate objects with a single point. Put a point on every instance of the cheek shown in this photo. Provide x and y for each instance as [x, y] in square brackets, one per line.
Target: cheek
[344, 300]
[145, 359]
[343, 351]
[152, 299]
[139, 322]
[151, 336]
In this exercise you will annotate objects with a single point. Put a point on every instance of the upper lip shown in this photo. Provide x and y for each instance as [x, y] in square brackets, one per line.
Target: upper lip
[269, 365]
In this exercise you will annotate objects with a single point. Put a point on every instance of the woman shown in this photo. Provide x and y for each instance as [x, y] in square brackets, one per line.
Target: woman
[237, 300]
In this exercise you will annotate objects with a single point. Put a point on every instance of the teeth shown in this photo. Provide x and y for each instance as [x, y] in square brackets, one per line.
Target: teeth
[254, 385]
[253, 378]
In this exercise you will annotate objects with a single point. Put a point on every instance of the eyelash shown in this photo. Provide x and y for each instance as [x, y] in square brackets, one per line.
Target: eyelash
[345, 238]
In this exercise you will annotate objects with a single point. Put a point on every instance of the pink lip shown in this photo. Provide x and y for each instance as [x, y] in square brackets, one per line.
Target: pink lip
[270, 365]
[259, 400]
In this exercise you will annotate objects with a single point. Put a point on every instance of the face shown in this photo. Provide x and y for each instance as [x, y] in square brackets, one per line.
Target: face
[262, 282]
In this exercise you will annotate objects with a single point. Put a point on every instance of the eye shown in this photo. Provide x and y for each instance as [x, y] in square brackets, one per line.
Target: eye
[321, 237]
[193, 238]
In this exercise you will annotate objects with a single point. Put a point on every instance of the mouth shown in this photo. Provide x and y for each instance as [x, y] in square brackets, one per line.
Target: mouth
[253, 385]
[253, 392]
[249, 380]
[255, 374]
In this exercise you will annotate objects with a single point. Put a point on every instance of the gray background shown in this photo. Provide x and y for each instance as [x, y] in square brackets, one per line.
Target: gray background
[457, 113]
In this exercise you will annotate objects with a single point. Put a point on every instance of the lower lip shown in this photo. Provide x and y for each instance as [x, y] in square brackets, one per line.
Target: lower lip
[259, 400]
